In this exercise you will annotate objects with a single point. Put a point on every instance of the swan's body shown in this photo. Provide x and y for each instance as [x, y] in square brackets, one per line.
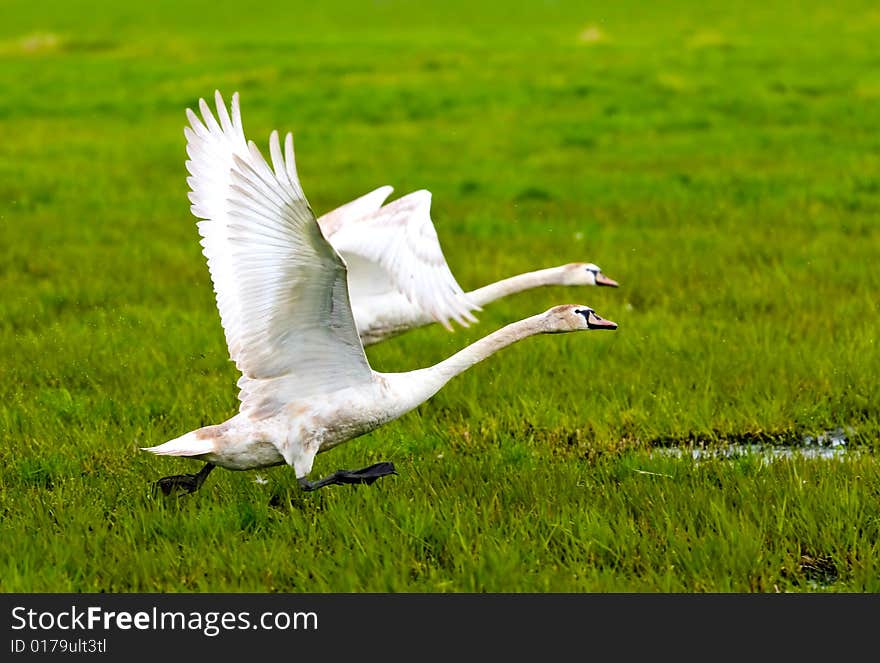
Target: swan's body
[282, 294]
[392, 249]
[297, 431]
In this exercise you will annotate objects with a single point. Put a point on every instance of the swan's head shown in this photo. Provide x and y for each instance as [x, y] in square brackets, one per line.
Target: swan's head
[574, 317]
[585, 273]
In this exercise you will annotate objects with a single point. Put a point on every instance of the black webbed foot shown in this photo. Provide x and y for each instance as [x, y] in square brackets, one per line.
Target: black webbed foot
[365, 475]
[184, 484]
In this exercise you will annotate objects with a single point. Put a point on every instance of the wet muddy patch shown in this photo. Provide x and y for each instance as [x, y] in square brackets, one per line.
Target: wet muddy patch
[835, 443]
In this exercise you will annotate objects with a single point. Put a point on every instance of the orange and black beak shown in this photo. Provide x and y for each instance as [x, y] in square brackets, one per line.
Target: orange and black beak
[596, 321]
[601, 279]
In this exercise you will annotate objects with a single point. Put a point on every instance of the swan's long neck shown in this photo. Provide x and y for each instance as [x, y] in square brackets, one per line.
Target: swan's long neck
[420, 385]
[518, 283]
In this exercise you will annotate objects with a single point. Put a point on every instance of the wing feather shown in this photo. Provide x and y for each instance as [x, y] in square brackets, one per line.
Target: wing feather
[354, 210]
[400, 238]
[280, 286]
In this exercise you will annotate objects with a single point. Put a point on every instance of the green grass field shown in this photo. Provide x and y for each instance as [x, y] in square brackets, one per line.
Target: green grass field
[722, 161]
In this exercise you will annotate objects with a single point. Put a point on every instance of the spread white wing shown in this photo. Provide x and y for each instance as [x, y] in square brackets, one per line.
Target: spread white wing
[354, 210]
[396, 248]
[281, 288]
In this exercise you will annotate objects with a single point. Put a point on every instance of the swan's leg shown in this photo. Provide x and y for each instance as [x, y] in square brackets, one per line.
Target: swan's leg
[365, 475]
[185, 483]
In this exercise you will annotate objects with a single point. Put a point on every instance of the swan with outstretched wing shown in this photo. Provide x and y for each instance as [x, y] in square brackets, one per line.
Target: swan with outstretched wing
[282, 294]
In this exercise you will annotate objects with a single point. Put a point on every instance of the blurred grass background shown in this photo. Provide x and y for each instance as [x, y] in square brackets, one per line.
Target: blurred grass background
[720, 161]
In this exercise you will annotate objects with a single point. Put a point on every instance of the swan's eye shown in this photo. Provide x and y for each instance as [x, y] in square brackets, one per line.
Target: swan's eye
[593, 270]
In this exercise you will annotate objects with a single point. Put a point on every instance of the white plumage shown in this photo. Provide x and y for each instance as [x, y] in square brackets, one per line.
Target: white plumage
[395, 250]
[283, 296]
[280, 287]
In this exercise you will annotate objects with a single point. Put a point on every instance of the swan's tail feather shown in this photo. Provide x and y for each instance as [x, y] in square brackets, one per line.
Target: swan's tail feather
[190, 444]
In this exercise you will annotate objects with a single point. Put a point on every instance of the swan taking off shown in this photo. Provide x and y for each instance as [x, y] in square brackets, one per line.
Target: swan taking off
[282, 294]
[398, 278]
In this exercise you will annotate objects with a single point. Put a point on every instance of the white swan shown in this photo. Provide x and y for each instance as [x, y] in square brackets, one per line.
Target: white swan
[398, 277]
[283, 299]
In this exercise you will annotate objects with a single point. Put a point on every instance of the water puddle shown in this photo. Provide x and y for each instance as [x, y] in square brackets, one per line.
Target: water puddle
[830, 444]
